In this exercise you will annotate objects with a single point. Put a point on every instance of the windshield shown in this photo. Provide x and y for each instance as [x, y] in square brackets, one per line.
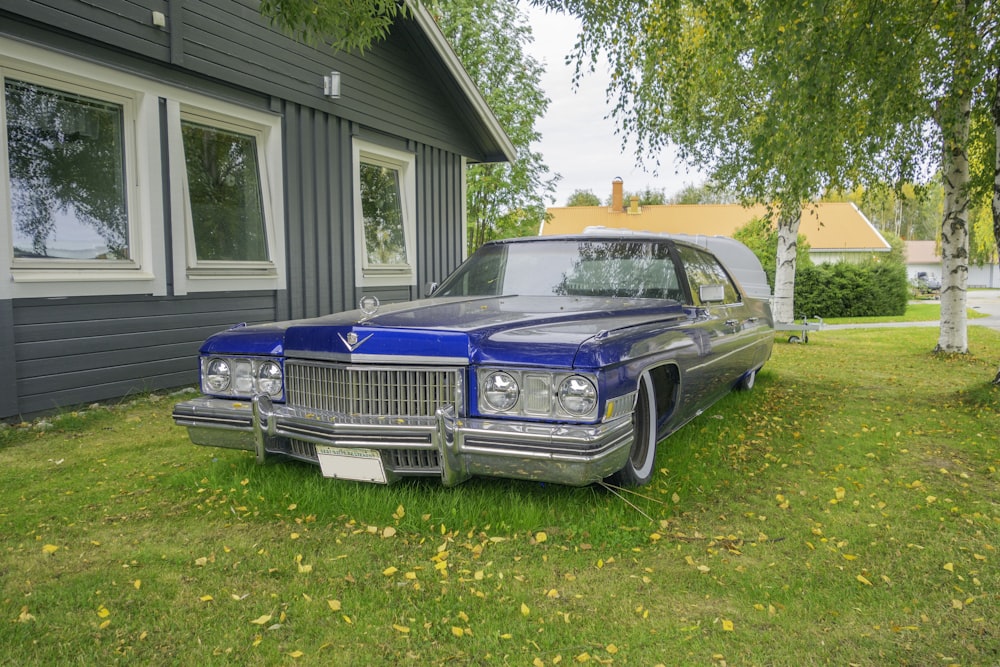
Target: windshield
[629, 269]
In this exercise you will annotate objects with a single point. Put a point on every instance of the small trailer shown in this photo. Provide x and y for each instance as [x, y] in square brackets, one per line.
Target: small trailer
[803, 327]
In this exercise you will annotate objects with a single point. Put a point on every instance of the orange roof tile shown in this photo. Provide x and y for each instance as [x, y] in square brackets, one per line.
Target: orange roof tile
[828, 226]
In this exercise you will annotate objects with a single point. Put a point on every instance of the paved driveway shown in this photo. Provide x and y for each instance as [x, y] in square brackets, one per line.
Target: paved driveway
[987, 302]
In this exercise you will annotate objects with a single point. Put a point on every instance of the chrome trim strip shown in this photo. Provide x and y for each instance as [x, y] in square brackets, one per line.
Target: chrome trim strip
[343, 357]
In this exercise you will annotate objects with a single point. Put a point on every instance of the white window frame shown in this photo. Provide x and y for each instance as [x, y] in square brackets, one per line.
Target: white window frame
[145, 270]
[190, 274]
[386, 276]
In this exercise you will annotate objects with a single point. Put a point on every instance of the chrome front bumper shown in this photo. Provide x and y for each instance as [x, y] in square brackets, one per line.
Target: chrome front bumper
[446, 445]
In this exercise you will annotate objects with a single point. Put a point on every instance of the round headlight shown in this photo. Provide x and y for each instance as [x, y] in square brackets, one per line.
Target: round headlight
[218, 375]
[577, 395]
[269, 378]
[500, 391]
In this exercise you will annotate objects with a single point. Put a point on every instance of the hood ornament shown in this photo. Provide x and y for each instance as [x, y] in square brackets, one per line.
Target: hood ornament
[369, 306]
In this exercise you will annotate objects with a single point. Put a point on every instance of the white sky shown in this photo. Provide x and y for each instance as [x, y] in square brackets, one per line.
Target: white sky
[578, 136]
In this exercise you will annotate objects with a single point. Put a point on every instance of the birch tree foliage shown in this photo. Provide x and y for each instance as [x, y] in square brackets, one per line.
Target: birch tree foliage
[345, 25]
[755, 92]
[784, 100]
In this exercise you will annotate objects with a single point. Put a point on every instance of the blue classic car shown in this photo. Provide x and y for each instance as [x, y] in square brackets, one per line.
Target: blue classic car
[557, 359]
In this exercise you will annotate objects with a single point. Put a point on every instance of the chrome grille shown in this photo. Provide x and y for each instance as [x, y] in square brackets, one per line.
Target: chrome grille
[371, 391]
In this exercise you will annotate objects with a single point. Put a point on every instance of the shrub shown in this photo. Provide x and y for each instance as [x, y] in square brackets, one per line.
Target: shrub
[845, 289]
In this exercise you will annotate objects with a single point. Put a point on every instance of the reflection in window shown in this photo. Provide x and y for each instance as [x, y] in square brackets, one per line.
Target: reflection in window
[67, 174]
[703, 269]
[224, 188]
[382, 209]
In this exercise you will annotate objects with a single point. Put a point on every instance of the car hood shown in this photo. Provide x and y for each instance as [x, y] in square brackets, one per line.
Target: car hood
[510, 329]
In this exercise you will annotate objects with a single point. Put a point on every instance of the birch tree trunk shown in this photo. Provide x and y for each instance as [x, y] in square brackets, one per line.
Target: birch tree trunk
[996, 171]
[784, 270]
[955, 228]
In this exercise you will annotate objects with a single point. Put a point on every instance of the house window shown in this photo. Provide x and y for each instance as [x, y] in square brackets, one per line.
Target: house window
[66, 161]
[82, 186]
[227, 230]
[78, 178]
[227, 215]
[385, 215]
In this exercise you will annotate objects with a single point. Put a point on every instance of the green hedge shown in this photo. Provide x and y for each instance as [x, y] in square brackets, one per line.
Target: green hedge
[851, 290]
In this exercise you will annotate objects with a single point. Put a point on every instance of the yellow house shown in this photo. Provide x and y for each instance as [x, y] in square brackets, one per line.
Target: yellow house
[835, 231]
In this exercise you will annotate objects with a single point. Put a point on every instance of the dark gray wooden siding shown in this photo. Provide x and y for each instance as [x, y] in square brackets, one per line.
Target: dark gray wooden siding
[75, 351]
[8, 372]
[56, 353]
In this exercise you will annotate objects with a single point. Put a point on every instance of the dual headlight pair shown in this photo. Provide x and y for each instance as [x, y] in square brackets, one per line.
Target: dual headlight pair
[241, 377]
[537, 394]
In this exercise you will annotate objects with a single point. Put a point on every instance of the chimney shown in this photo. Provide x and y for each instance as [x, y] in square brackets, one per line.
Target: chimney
[633, 206]
[617, 196]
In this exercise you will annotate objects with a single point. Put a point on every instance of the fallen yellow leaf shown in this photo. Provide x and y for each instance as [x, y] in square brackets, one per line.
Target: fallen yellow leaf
[863, 580]
[727, 625]
[525, 609]
[206, 598]
[334, 604]
[540, 537]
[402, 629]
[261, 620]
[50, 549]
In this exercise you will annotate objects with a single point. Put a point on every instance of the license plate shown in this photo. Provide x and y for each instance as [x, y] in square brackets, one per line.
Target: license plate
[359, 465]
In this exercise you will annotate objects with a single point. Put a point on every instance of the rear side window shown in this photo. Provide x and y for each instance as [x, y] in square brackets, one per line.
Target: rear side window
[704, 269]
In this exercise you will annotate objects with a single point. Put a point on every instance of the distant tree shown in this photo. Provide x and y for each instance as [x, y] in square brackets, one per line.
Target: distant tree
[490, 36]
[583, 198]
[706, 193]
[647, 197]
[910, 211]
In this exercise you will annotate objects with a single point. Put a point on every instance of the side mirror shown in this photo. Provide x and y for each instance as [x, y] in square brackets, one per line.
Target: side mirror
[429, 288]
[712, 293]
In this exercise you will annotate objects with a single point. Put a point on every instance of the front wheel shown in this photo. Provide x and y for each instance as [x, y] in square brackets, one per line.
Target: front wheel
[638, 469]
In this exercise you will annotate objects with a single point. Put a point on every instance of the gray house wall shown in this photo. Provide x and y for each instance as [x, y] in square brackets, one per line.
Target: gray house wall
[67, 351]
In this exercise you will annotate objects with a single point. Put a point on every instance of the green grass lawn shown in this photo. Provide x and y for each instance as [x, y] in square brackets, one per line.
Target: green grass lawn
[843, 512]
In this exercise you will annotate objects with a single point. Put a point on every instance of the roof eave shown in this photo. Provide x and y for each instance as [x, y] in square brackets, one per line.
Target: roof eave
[465, 83]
